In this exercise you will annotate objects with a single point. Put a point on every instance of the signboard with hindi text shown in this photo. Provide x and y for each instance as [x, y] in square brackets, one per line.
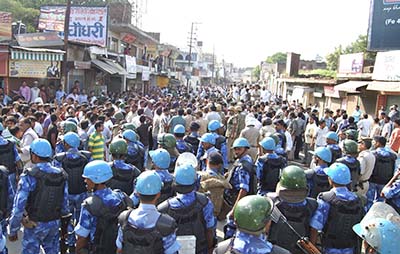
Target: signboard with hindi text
[5, 25]
[87, 24]
[34, 69]
[387, 66]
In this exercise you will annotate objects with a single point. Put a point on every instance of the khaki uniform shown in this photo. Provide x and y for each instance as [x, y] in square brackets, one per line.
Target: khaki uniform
[215, 186]
[231, 130]
[253, 136]
[367, 163]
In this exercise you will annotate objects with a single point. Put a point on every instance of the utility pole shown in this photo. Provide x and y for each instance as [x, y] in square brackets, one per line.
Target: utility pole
[64, 76]
[188, 76]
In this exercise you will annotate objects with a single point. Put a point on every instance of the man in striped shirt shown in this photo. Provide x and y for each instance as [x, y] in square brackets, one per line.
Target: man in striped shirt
[96, 142]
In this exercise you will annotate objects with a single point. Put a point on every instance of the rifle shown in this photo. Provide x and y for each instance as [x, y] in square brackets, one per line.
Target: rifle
[65, 220]
[303, 243]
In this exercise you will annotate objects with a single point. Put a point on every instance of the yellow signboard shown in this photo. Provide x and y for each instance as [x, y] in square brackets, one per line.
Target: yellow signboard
[162, 81]
[34, 69]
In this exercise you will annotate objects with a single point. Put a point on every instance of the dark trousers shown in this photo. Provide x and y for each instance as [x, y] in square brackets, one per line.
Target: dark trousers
[298, 143]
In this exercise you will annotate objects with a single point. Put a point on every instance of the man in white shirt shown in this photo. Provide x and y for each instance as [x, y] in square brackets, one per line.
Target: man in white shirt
[35, 91]
[320, 136]
[27, 138]
[265, 95]
[364, 126]
[387, 128]
[213, 115]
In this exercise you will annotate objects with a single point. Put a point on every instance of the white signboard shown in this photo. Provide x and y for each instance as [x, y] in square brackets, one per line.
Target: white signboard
[387, 66]
[146, 73]
[130, 62]
[351, 63]
[88, 25]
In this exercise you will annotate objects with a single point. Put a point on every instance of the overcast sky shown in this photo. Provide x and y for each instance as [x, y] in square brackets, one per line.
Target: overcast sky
[246, 32]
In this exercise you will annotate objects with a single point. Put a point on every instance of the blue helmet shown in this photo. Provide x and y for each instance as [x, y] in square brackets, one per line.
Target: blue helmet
[268, 143]
[323, 153]
[208, 138]
[42, 148]
[380, 234]
[160, 158]
[339, 173]
[179, 129]
[185, 175]
[130, 135]
[72, 139]
[241, 142]
[148, 183]
[97, 171]
[332, 135]
[214, 125]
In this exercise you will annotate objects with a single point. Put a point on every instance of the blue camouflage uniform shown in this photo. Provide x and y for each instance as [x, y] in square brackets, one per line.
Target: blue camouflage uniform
[74, 200]
[87, 222]
[320, 217]
[45, 234]
[145, 217]
[60, 148]
[251, 244]
[260, 169]
[11, 176]
[182, 146]
[223, 150]
[202, 156]
[165, 177]
[392, 193]
[3, 249]
[375, 189]
[240, 179]
[133, 147]
[3, 222]
[319, 170]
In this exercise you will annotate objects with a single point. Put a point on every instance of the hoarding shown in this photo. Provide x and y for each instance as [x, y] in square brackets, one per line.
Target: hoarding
[351, 63]
[384, 25]
[87, 24]
[387, 66]
[34, 69]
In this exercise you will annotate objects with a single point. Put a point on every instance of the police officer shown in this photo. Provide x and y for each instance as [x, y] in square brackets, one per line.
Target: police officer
[193, 137]
[291, 199]
[5, 205]
[167, 141]
[97, 228]
[160, 163]
[243, 181]
[181, 145]
[384, 168]
[350, 148]
[391, 192]
[124, 174]
[380, 230]
[332, 142]
[73, 161]
[338, 210]
[214, 127]
[67, 126]
[145, 230]
[317, 179]
[10, 158]
[43, 194]
[269, 167]
[193, 211]
[207, 146]
[252, 217]
[136, 152]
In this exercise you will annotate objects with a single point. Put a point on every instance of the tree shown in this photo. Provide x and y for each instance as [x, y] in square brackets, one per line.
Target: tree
[256, 72]
[357, 46]
[27, 15]
[278, 57]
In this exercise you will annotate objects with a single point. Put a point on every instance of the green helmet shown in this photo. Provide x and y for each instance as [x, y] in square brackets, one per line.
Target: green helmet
[352, 134]
[70, 127]
[119, 116]
[119, 146]
[350, 146]
[166, 140]
[252, 213]
[128, 126]
[293, 177]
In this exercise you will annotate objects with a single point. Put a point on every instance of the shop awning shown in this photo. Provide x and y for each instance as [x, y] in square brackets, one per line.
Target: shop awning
[109, 67]
[384, 86]
[21, 53]
[351, 86]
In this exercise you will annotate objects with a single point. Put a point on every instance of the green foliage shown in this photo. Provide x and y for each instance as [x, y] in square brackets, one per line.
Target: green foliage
[319, 73]
[256, 72]
[358, 46]
[20, 12]
[278, 57]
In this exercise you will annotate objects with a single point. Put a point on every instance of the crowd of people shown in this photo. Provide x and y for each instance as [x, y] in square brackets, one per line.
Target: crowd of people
[127, 172]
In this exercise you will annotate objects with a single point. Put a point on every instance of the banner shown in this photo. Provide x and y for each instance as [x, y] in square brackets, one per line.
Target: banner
[5, 26]
[387, 66]
[34, 69]
[351, 63]
[130, 63]
[384, 25]
[146, 73]
[87, 24]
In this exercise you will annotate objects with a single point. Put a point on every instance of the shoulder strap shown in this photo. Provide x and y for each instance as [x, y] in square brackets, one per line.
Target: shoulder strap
[60, 157]
[166, 225]
[202, 198]
[312, 204]
[163, 207]
[87, 154]
[327, 196]
[94, 205]
[32, 171]
[123, 218]
[247, 166]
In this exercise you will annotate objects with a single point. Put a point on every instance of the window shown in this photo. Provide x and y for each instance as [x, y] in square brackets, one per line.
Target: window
[113, 45]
